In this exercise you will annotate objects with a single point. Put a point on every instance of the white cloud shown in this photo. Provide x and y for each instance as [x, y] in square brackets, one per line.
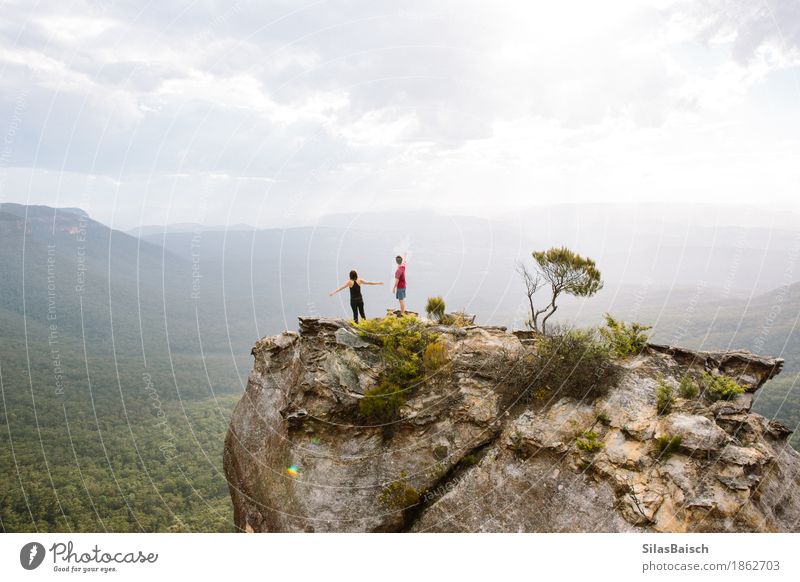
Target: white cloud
[71, 29]
[453, 105]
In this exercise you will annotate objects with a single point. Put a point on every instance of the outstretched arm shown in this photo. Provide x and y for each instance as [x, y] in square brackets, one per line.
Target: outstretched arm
[363, 282]
[344, 285]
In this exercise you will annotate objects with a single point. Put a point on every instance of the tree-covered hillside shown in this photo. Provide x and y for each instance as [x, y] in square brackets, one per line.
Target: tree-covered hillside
[113, 408]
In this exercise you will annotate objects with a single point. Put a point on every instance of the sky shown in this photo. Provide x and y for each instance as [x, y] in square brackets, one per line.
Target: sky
[275, 113]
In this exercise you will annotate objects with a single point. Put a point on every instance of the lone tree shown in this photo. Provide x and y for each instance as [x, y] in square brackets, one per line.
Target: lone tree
[564, 272]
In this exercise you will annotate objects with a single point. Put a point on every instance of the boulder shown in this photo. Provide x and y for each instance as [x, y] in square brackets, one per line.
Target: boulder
[698, 434]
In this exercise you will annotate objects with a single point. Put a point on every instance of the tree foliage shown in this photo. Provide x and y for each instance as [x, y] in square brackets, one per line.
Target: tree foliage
[563, 272]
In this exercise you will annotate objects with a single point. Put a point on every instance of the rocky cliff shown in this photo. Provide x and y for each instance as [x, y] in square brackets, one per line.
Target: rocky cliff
[468, 454]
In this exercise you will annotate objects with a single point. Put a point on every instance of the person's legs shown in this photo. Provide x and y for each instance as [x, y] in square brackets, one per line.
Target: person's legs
[401, 296]
[361, 309]
[354, 307]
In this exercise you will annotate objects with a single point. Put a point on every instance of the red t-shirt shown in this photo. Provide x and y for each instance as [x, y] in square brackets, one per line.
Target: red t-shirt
[400, 275]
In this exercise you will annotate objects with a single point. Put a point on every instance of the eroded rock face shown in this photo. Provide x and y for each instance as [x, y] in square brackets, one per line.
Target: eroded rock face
[298, 458]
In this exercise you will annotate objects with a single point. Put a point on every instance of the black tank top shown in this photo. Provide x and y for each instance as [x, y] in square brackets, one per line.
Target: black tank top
[355, 292]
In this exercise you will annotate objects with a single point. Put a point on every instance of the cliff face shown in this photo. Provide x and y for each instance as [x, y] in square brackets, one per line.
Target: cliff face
[467, 455]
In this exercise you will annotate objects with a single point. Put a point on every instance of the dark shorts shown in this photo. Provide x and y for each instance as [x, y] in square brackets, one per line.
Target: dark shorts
[401, 293]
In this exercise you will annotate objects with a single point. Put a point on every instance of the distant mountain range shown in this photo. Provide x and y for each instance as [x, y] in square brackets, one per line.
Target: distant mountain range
[179, 291]
[156, 229]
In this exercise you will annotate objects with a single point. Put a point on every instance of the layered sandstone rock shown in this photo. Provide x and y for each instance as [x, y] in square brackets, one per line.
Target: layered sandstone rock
[468, 455]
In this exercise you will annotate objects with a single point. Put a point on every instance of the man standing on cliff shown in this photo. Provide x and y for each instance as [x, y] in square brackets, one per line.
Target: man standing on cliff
[399, 288]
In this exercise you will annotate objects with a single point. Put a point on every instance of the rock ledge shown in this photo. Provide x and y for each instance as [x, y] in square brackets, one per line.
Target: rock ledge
[298, 459]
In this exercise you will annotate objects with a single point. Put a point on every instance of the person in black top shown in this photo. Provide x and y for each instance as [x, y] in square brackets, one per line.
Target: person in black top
[356, 300]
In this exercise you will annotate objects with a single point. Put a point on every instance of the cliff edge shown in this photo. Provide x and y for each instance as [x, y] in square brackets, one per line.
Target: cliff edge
[471, 452]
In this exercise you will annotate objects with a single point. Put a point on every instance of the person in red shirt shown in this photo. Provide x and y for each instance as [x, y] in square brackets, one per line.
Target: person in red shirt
[399, 288]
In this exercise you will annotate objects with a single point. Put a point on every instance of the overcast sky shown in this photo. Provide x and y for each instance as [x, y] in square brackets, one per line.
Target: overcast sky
[271, 113]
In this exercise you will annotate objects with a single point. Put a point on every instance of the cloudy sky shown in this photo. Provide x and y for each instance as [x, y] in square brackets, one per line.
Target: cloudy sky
[271, 113]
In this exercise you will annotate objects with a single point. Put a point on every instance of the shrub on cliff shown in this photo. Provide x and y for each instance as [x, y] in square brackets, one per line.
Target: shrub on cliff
[435, 357]
[398, 335]
[688, 387]
[624, 339]
[665, 398]
[520, 372]
[666, 445]
[588, 441]
[404, 341]
[382, 403]
[399, 494]
[573, 362]
[720, 387]
[435, 308]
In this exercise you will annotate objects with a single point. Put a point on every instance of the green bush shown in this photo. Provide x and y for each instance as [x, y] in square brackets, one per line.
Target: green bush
[435, 308]
[470, 460]
[666, 445]
[665, 398]
[406, 371]
[399, 335]
[572, 363]
[382, 403]
[622, 338]
[435, 357]
[688, 387]
[588, 442]
[404, 341]
[720, 387]
[399, 495]
[520, 372]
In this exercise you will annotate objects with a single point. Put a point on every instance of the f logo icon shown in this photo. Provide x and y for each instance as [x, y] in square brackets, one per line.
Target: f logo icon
[31, 555]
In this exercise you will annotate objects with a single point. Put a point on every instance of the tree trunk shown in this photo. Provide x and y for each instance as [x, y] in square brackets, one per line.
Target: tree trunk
[546, 317]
